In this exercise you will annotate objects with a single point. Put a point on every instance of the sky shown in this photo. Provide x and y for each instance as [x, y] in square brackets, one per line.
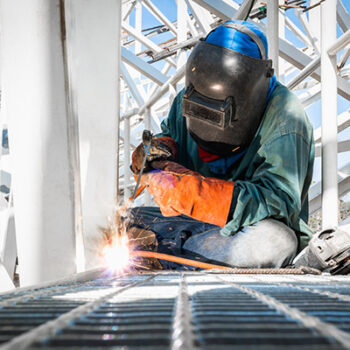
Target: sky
[169, 8]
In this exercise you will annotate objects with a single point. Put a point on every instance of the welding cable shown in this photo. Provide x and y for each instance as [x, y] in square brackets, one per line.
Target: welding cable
[176, 259]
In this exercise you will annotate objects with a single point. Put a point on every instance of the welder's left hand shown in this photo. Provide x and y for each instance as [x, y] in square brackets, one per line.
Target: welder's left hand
[178, 190]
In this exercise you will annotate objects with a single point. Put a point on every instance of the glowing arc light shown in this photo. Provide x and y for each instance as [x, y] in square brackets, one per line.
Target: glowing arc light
[116, 254]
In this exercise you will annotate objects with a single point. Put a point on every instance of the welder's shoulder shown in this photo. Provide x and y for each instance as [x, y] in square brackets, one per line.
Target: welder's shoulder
[285, 115]
[175, 112]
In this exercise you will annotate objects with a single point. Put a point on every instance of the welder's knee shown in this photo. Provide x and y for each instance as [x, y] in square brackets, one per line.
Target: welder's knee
[269, 243]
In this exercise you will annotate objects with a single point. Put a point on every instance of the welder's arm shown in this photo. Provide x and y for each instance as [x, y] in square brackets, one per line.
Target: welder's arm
[162, 148]
[178, 190]
[279, 186]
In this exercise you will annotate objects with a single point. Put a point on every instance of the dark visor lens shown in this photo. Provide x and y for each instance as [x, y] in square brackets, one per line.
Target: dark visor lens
[210, 111]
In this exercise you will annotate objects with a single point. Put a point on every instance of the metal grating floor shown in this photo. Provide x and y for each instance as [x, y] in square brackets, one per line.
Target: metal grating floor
[171, 310]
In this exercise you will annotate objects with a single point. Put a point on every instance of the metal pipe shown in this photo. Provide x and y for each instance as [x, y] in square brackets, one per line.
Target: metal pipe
[304, 73]
[163, 89]
[141, 39]
[343, 121]
[127, 13]
[272, 32]
[311, 26]
[344, 57]
[201, 15]
[340, 43]
[130, 114]
[329, 116]
[165, 71]
[297, 32]
[158, 14]
[181, 32]
[343, 146]
[138, 26]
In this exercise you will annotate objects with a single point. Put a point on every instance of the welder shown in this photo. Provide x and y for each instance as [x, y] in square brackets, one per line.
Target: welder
[240, 151]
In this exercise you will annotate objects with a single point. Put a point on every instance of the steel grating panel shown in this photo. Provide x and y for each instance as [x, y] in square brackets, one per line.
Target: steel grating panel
[170, 310]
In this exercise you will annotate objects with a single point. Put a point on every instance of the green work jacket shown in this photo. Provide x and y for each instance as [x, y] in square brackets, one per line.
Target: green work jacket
[273, 177]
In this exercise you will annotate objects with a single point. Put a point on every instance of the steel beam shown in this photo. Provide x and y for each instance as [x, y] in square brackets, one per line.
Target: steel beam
[159, 15]
[343, 17]
[131, 84]
[299, 33]
[329, 115]
[344, 57]
[96, 87]
[143, 67]
[343, 146]
[164, 88]
[343, 121]
[340, 43]
[304, 73]
[312, 27]
[312, 32]
[144, 40]
[202, 16]
[300, 60]
[315, 192]
[219, 8]
[41, 135]
[181, 32]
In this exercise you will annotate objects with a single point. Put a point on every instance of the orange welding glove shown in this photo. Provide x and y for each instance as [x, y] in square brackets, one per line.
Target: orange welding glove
[178, 190]
[162, 148]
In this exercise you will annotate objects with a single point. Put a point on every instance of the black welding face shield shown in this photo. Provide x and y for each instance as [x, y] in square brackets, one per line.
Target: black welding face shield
[225, 96]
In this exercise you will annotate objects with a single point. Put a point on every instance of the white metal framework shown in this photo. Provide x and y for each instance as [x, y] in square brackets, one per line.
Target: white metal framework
[70, 197]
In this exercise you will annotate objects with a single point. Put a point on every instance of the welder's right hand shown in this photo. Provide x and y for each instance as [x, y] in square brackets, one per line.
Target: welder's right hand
[162, 148]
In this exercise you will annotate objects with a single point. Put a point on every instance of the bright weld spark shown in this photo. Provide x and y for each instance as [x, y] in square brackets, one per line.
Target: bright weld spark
[119, 242]
[116, 254]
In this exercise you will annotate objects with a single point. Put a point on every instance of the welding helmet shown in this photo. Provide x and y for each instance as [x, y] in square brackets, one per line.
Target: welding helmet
[227, 83]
